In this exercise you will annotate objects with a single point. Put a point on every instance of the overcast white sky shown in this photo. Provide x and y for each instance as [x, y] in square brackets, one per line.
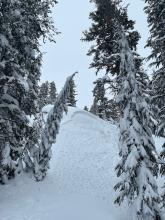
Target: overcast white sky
[69, 53]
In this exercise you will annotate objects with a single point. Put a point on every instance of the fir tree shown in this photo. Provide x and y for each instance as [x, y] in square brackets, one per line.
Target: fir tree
[113, 111]
[44, 94]
[100, 102]
[33, 141]
[38, 25]
[72, 97]
[94, 108]
[22, 24]
[49, 134]
[13, 121]
[105, 50]
[52, 93]
[156, 20]
[86, 108]
[102, 106]
[104, 35]
[138, 164]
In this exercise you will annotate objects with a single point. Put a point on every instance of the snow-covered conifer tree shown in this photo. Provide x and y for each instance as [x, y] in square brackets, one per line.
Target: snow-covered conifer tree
[94, 108]
[102, 106]
[44, 94]
[33, 141]
[156, 20]
[22, 25]
[13, 89]
[104, 35]
[52, 93]
[138, 165]
[86, 108]
[100, 101]
[49, 134]
[112, 111]
[72, 97]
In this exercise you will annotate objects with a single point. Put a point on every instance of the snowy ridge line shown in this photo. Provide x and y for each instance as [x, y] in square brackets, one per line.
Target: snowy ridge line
[82, 112]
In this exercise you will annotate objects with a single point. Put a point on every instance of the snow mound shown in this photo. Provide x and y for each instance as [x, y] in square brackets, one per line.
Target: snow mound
[79, 185]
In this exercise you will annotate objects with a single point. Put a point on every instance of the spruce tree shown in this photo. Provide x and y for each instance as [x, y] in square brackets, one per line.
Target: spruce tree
[33, 141]
[156, 20]
[102, 106]
[113, 111]
[50, 131]
[155, 10]
[138, 164]
[22, 25]
[13, 89]
[72, 97]
[104, 35]
[86, 108]
[38, 25]
[105, 51]
[44, 95]
[100, 102]
[94, 108]
[52, 93]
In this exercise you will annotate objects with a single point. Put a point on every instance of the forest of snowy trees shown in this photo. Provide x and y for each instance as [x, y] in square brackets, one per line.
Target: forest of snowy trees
[124, 94]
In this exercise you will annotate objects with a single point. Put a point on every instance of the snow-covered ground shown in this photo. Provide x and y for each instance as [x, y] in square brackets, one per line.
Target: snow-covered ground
[79, 185]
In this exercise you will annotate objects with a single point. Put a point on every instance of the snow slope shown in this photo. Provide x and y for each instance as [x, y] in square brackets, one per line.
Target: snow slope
[79, 185]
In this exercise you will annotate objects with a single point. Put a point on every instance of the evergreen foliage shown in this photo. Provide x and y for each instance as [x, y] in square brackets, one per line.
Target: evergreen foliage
[138, 164]
[102, 106]
[22, 24]
[33, 141]
[47, 94]
[113, 111]
[52, 93]
[156, 20]
[72, 97]
[43, 95]
[104, 35]
[50, 131]
[86, 108]
[100, 102]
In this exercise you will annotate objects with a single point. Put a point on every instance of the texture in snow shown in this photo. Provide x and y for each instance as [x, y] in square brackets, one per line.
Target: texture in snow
[79, 185]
